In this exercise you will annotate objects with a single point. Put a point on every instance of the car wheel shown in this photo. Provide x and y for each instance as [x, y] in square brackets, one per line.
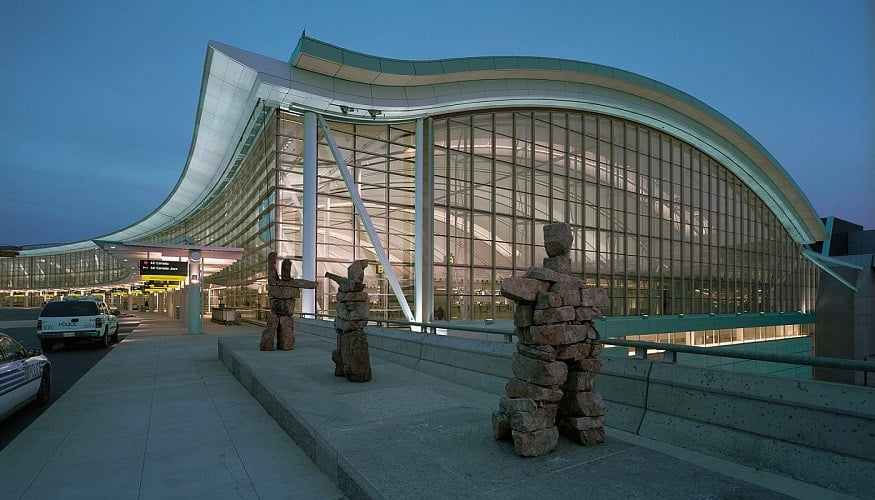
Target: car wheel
[45, 387]
[115, 334]
[45, 345]
[104, 341]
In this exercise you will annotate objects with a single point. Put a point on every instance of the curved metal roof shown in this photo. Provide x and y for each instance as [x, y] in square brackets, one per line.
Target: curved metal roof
[354, 86]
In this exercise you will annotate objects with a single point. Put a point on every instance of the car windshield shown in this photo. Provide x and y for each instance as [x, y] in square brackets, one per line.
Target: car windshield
[70, 308]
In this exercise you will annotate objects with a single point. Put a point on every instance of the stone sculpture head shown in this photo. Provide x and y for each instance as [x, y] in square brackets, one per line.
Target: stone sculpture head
[286, 272]
[557, 238]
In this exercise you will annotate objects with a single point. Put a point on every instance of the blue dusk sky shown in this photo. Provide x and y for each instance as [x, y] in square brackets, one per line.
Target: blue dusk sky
[98, 98]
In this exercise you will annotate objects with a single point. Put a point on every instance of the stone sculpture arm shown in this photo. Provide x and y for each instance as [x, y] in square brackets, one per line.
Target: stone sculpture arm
[273, 276]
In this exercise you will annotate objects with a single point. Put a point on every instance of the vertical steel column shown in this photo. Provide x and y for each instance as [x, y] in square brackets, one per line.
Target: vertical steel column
[194, 294]
[308, 251]
[424, 222]
[381, 253]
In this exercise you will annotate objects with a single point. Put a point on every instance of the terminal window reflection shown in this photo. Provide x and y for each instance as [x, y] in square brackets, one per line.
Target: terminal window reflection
[665, 228]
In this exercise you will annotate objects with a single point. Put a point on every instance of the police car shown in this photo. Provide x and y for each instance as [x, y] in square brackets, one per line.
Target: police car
[76, 319]
[25, 376]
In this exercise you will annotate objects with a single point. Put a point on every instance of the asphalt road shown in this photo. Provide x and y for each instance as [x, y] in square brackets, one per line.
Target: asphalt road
[69, 364]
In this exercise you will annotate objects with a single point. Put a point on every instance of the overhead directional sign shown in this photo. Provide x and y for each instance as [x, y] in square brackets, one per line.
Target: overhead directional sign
[163, 270]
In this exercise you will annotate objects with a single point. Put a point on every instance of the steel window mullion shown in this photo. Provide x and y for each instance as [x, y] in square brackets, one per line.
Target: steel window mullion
[381, 253]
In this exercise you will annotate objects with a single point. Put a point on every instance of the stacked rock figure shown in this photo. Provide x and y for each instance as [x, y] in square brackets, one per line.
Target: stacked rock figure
[351, 358]
[282, 291]
[553, 389]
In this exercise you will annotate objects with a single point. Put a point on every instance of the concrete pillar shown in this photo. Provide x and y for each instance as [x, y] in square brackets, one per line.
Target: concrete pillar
[845, 325]
[308, 251]
[424, 223]
[195, 326]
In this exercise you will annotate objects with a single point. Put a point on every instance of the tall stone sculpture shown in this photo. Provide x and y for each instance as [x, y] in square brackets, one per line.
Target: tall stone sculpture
[553, 389]
[282, 291]
[351, 358]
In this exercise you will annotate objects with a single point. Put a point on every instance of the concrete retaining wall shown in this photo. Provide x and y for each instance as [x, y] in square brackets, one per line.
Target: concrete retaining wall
[818, 432]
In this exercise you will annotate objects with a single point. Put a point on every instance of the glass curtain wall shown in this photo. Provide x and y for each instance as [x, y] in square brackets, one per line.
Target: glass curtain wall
[380, 159]
[64, 270]
[241, 214]
[662, 226]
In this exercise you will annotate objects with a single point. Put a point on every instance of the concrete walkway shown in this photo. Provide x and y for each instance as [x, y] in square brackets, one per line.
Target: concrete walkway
[159, 418]
[407, 434]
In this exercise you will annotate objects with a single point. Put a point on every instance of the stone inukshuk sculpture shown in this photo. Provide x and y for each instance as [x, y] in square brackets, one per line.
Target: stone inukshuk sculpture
[351, 358]
[553, 389]
[282, 292]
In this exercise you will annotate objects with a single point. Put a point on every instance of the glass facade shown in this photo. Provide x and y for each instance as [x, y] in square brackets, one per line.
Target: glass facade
[662, 226]
[77, 269]
[381, 161]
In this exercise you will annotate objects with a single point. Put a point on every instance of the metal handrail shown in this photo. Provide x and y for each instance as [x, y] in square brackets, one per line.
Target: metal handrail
[820, 362]
[429, 327]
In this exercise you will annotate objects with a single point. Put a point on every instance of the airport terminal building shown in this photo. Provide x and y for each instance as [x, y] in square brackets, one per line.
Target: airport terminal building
[443, 173]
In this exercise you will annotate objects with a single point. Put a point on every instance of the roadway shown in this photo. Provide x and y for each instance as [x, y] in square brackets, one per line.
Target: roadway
[69, 363]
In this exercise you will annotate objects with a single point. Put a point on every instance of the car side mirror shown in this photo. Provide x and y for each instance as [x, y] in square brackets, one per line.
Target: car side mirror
[116, 312]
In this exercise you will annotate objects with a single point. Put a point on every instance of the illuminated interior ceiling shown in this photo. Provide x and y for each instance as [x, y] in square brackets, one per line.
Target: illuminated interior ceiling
[213, 259]
[352, 86]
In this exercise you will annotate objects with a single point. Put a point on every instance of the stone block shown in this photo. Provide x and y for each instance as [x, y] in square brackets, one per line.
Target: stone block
[585, 435]
[500, 426]
[509, 405]
[596, 349]
[338, 362]
[578, 333]
[560, 263]
[553, 334]
[268, 335]
[350, 286]
[524, 334]
[523, 289]
[522, 315]
[286, 333]
[356, 357]
[581, 423]
[594, 297]
[517, 388]
[547, 300]
[570, 293]
[562, 314]
[535, 444]
[573, 352]
[540, 352]
[283, 291]
[299, 283]
[534, 420]
[591, 364]
[352, 296]
[345, 325]
[557, 238]
[544, 274]
[356, 270]
[579, 381]
[353, 311]
[582, 404]
[585, 313]
[539, 372]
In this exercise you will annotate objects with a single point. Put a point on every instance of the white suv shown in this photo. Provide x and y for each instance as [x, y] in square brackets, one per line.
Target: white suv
[76, 320]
